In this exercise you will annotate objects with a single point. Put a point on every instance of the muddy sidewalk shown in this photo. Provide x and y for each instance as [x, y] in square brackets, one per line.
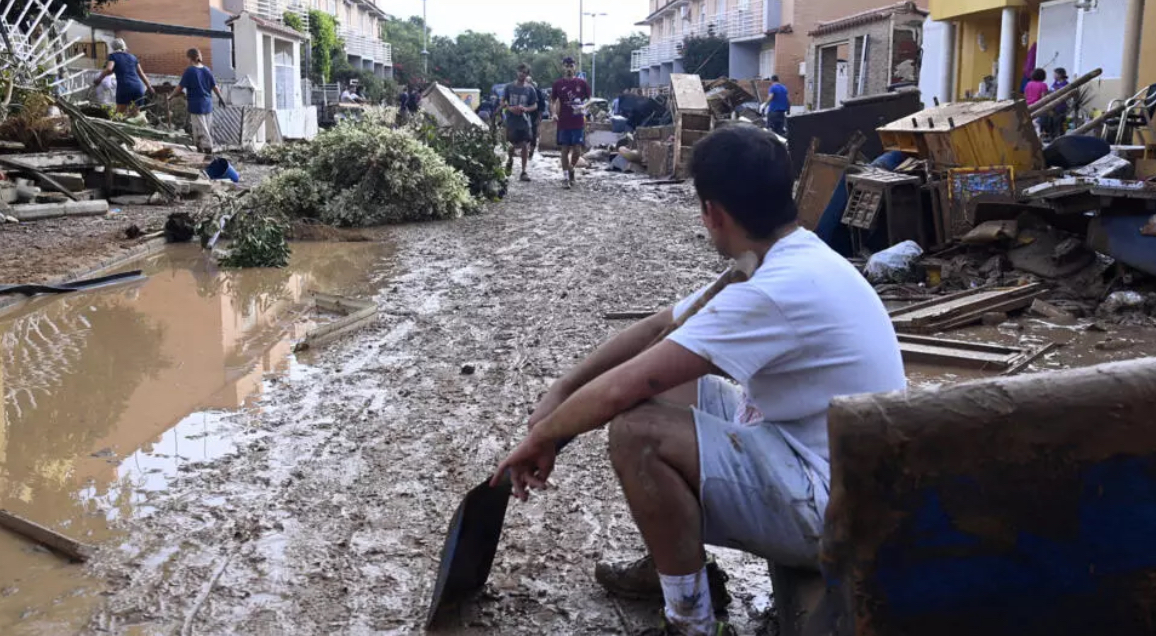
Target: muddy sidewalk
[330, 516]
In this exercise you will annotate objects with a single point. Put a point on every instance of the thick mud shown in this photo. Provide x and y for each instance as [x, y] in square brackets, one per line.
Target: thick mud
[110, 397]
[323, 507]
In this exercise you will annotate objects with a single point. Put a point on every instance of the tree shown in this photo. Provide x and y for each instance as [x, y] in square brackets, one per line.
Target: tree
[405, 36]
[326, 45]
[614, 74]
[708, 56]
[472, 60]
[532, 37]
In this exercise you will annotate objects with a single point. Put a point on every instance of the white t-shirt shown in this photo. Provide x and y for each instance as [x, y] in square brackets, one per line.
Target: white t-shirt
[806, 328]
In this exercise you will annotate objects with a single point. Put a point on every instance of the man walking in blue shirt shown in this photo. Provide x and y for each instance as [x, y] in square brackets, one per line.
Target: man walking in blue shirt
[198, 83]
[778, 105]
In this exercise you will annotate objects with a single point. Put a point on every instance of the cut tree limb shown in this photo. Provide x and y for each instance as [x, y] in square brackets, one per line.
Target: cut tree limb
[40, 211]
[59, 543]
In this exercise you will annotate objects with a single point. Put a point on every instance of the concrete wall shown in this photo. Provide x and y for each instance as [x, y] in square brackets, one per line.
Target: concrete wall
[744, 59]
[876, 65]
[221, 51]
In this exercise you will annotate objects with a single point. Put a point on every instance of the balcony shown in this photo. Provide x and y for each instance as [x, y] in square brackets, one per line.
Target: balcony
[366, 47]
[276, 9]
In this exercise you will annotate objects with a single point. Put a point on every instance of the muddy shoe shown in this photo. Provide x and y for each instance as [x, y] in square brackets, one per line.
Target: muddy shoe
[524, 177]
[639, 581]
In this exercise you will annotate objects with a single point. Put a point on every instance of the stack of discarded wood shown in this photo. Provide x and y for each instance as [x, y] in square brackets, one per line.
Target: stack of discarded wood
[108, 163]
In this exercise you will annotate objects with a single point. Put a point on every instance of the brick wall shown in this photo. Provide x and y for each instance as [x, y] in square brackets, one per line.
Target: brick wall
[878, 63]
[793, 48]
[164, 54]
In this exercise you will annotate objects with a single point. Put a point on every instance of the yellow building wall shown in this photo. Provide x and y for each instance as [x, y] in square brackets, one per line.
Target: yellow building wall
[1148, 46]
[952, 9]
[974, 62]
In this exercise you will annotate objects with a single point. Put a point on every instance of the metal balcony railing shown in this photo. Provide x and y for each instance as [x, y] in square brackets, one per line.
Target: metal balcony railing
[366, 47]
[639, 59]
[276, 9]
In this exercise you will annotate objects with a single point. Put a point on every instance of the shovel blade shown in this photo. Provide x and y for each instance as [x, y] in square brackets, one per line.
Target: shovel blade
[471, 543]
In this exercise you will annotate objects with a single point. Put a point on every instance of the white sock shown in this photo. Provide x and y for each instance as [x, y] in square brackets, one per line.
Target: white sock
[688, 602]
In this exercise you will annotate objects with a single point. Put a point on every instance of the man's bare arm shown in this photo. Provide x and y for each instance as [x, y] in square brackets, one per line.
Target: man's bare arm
[663, 367]
[614, 352]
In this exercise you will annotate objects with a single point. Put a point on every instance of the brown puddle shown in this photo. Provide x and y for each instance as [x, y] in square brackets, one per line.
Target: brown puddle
[108, 394]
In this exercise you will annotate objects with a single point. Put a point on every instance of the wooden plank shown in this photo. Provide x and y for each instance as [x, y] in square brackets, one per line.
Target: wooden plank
[822, 178]
[358, 314]
[974, 355]
[52, 539]
[963, 308]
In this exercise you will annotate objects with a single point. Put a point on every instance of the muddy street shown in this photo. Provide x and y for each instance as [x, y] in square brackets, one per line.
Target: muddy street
[233, 487]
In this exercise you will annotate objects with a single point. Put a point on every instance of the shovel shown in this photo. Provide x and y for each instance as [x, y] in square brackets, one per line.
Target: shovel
[476, 527]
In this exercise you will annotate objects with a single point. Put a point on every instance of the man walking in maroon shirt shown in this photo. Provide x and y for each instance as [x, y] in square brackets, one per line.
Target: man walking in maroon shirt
[568, 98]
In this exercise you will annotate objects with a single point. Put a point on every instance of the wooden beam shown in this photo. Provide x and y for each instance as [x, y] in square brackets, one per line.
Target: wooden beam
[59, 543]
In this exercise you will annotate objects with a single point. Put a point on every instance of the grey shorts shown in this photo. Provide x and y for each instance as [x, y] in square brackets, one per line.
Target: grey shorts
[757, 496]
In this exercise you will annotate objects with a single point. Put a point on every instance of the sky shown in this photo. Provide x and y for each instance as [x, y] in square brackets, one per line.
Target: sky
[451, 17]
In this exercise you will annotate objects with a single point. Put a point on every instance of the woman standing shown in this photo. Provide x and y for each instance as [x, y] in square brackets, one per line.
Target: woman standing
[131, 81]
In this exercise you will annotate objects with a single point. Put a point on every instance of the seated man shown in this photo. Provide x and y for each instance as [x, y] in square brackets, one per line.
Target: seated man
[702, 460]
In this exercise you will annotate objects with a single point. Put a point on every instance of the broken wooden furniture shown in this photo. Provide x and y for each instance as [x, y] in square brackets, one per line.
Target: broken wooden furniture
[969, 134]
[963, 308]
[356, 314]
[1012, 506]
[821, 178]
[692, 119]
[448, 109]
[895, 197]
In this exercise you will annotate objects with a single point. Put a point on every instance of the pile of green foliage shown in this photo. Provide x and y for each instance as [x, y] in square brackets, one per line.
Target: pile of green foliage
[471, 152]
[379, 175]
[257, 233]
[291, 153]
[361, 175]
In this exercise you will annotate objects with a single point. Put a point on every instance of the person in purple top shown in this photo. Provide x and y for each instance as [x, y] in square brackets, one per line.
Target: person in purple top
[568, 100]
[131, 81]
[198, 83]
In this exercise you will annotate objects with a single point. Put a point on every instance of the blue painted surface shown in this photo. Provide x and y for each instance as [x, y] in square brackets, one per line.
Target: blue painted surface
[1119, 237]
[1096, 557]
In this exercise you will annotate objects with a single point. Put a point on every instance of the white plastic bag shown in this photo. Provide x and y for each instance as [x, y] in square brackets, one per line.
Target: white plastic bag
[894, 264]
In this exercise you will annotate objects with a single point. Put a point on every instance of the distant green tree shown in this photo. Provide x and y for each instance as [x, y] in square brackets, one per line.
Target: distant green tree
[532, 37]
[707, 56]
[405, 36]
[472, 60]
[614, 74]
[376, 89]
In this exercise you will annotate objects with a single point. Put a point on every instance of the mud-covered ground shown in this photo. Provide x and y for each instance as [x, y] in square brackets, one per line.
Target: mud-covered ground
[331, 516]
[40, 251]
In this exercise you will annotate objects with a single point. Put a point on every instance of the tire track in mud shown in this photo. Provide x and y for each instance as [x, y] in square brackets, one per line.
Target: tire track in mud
[335, 509]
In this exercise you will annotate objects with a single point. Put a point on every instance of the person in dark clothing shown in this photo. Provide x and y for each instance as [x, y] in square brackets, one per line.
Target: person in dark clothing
[778, 105]
[131, 82]
[200, 86]
[520, 100]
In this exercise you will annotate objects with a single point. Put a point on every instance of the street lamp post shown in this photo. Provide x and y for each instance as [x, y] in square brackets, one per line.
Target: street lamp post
[594, 52]
[581, 40]
[425, 42]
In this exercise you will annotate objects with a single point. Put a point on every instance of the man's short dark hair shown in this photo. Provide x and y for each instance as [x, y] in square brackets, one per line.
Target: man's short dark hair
[522, 68]
[748, 173]
[193, 54]
[1039, 75]
[774, 78]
